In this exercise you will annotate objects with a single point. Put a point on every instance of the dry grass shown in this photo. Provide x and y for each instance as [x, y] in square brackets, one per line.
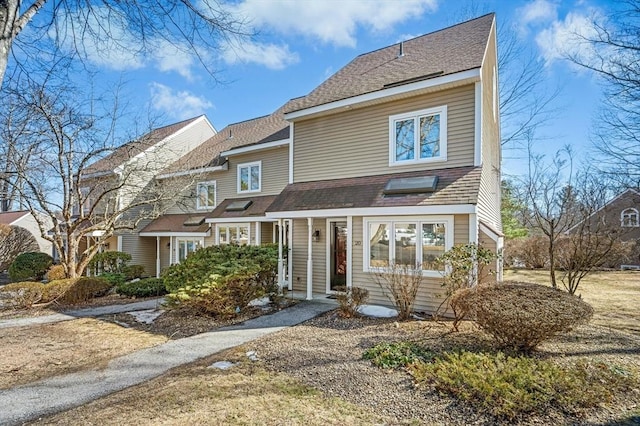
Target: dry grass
[36, 352]
[613, 295]
[196, 395]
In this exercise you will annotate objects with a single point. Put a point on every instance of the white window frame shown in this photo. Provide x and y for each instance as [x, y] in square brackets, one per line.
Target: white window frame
[215, 194]
[179, 240]
[630, 213]
[249, 166]
[390, 221]
[237, 226]
[415, 115]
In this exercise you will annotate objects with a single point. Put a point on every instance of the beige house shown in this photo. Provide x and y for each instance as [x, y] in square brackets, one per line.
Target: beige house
[25, 219]
[395, 158]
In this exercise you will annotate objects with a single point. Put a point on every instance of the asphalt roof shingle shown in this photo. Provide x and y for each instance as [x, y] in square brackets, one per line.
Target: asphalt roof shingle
[176, 223]
[256, 209]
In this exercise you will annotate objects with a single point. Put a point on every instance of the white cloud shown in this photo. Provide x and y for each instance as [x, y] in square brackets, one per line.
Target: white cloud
[567, 38]
[537, 11]
[172, 58]
[272, 56]
[177, 104]
[330, 22]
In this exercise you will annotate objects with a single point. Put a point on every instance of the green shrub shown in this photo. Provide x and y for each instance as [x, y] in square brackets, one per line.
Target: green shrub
[109, 262]
[520, 316]
[397, 355]
[350, 299]
[142, 288]
[30, 266]
[510, 387]
[56, 272]
[76, 290]
[132, 272]
[114, 278]
[22, 295]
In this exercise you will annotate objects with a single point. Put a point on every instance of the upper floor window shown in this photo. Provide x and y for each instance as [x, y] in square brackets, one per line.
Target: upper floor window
[249, 177]
[629, 217]
[419, 136]
[206, 195]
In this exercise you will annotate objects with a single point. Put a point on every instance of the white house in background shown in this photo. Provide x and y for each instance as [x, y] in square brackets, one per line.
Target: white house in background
[25, 219]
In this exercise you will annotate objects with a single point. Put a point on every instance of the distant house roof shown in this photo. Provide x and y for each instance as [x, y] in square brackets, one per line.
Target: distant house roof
[176, 223]
[255, 131]
[129, 150]
[7, 218]
[233, 207]
[458, 185]
[451, 50]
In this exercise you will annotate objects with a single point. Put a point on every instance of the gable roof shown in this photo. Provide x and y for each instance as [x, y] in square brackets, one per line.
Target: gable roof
[7, 218]
[130, 149]
[448, 51]
[255, 131]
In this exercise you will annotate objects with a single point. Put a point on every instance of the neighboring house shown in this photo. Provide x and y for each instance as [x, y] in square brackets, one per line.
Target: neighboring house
[235, 175]
[395, 158]
[25, 219]
[136, 164]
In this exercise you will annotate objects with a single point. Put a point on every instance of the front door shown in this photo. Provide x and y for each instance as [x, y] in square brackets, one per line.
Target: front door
[338, 255]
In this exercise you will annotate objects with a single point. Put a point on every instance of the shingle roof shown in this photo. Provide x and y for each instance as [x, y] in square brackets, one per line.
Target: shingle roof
[257, 207]
[447, 51]
[249, 132]
[129, 150]
[176, 223]
[7, 218]
[458, 185]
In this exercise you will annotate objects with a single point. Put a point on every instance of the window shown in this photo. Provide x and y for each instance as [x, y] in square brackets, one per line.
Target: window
[629, 218]
[206, 195]
[408, 242]
[233, 234]
[249, 177]
[187, 246]
[418, 137]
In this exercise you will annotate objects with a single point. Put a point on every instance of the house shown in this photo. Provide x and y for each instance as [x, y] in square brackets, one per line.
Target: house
[26, 220]
[394, 158]
[118, 193]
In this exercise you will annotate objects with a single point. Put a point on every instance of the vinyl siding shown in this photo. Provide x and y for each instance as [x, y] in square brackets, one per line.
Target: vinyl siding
[486, 242]
[489, 196]
[356, 142]
[141, 249]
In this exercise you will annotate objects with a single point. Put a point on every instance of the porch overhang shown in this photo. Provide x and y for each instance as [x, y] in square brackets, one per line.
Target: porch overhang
[177, 225]
[242, 210]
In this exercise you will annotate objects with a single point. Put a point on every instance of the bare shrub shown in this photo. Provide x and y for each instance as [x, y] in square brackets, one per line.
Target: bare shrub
[22, 295]
[400, 283]
[14, 241]
[520, 316]
[72, 291]
[531, 252]
[350, 299]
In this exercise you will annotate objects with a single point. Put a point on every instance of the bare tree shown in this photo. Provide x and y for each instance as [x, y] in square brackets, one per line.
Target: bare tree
[14, 240]
[127, 26]
[613, 53]
[60, 182]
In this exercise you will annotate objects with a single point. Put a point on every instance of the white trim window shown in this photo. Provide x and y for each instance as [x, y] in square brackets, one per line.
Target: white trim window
[186, 246]
[407, 241]
[250, 177]
[418, 137]
[629, 218]
[206, 195]
[237, 233]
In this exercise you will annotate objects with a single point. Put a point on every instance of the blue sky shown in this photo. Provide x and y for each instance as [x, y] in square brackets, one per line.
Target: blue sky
[300, 43]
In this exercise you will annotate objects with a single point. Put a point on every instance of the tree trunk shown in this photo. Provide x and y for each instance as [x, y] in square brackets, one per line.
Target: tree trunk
[8, 16]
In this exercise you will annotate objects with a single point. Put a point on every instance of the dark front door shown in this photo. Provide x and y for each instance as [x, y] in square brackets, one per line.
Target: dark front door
[338, 254]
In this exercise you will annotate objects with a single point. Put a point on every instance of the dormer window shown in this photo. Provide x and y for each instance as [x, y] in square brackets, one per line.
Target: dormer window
[630, 218]
[418, 137]
[249, 177]
[206, 195]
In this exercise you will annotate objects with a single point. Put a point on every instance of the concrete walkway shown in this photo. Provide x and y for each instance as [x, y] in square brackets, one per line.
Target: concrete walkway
[82, 313]
[49, 396]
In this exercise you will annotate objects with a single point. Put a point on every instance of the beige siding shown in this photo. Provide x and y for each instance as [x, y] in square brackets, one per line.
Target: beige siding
[489, 196]
[356, 143]
[299, 255]
[461, 232]
[490, 272]
[142, 251]
[266, 236]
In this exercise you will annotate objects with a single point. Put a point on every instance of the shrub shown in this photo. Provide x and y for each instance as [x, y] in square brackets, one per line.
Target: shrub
[132, 272]
[530, 252]
[114, 278]
[350, 299]
[400, 283]
[397, 355]
[510, 387]
[76, 290]
[142, 288]
[109, 262]
[520, 316]
[30, 266]
[22, 295]
[56, 272]
[14, 240]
